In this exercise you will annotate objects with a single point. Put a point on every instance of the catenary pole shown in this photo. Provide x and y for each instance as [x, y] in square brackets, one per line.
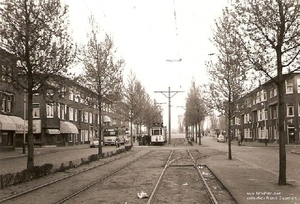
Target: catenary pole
[169, 96]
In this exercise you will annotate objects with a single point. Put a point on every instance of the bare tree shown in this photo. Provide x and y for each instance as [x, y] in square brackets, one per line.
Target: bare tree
[102, 72]
[196, 110]
[270, 35]
[227, 74]
[131, 105]
[35, 32]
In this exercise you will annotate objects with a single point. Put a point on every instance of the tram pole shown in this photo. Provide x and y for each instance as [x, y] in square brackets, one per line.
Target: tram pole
[169, 96]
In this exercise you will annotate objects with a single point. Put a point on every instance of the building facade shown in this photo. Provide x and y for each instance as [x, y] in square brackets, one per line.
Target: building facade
[256, 117]
[64, 113]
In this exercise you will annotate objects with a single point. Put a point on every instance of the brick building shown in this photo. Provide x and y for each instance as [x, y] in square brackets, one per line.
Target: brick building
[65, 113]
[257, 112]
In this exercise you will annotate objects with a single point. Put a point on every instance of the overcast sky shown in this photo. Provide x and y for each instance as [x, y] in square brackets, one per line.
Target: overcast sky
[151, 35]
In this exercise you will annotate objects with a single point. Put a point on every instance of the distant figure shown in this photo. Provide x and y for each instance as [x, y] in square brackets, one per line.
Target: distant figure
[117, 143]
[239, 139]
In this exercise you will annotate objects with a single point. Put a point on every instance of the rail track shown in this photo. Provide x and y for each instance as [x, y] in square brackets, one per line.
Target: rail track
[33, 191]
[169, 174]
[180, 171]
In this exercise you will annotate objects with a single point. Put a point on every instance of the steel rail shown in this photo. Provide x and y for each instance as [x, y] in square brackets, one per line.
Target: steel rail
[57, 180]
[210, 193]
[160, 177]
[99, 180]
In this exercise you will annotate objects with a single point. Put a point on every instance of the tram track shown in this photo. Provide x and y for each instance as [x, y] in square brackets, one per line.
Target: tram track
[182, 160]
[78, 173]
[168, 174]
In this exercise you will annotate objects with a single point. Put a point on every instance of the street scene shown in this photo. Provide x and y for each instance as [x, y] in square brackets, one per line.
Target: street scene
[149, 101]
[247, 178]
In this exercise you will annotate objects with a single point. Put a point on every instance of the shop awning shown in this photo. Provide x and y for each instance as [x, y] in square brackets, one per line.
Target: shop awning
[67, 127]
[106, 119]
[53, 131]
[6, 123]
[21, 125]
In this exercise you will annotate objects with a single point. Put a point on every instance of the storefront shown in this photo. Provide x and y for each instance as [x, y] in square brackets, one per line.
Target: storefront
[21, 130]
[69, 133]
[7, 133]
[52, 136]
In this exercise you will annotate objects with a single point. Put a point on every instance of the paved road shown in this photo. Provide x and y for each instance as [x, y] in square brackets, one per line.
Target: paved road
[16, 161]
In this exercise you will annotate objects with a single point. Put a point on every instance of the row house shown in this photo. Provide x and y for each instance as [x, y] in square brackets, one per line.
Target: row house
[256, 115]
[65, 113]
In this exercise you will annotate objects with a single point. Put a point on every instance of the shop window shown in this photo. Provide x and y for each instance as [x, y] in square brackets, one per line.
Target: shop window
[36, 110]
[70, 137]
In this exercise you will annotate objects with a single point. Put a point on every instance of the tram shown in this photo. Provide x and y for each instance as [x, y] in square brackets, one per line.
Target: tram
[158, 134]
[112, 133]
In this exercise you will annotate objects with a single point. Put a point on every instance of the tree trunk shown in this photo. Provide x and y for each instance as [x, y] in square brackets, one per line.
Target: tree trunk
[30, 156]
[199, 130]
[229, 129]
[281, 118]
[196, 127]
[100, 126]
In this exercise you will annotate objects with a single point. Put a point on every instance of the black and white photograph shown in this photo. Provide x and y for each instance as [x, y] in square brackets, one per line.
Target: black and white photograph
[150, 101]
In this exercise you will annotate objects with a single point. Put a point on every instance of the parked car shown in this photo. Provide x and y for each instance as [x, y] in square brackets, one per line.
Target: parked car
[95, 142]
[221, 138]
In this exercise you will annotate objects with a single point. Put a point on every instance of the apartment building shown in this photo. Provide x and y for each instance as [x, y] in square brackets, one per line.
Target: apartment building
[65, 113]
[257, 112]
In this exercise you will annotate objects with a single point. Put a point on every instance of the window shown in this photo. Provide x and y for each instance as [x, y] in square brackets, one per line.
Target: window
[75, 115]
[86, 117]
[299, 109]
[91, 118]
[63, 113]
[36, 110]
[77, 97]
[258, 97]
[275, 92]
[71, 114]
[71, 96]
[58, 110]
[289, 86]
[271, 93]
[298, 85]
[6, 103]
[263, 95]
[290, 109]
[274, 112]
[50, 110]
[62, 92]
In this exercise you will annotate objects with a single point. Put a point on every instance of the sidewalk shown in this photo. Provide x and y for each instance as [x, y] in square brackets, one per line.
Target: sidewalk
[248, 183]
[38, 151]
[251, 184]
[295, 148]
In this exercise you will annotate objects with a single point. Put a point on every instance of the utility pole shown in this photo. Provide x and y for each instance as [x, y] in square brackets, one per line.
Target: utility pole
[169, 100]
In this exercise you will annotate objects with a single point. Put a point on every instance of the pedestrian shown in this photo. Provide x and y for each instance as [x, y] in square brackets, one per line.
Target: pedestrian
[239, 139]
[117, 143]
